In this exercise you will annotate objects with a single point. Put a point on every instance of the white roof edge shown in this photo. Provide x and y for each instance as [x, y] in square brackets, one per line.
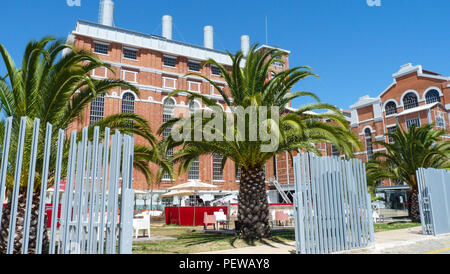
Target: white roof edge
[148, 41]
[277, 48]
[365, 101]
[419, 108]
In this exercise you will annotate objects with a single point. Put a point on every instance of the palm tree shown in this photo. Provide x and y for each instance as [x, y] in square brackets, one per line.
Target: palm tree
[249, 86]
[56, 89]
[409, 150]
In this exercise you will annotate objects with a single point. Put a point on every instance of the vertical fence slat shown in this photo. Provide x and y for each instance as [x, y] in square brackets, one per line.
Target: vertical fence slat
[30, 185]
[115, 208]
[56, 188]
[102, 226]
[5, 160]
[68, 194]
[93, 193]
[16, 188]
[41, 220]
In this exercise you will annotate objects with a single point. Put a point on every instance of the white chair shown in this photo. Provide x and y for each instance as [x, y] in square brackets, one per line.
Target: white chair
[142, 224]
[221, 218]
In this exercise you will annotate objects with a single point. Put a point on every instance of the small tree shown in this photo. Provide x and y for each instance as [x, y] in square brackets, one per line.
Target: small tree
[419, 147]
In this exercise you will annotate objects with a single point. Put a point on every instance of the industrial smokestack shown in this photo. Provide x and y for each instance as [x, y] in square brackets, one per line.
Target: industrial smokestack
[167, 27]
[245, 44]
[208, 39]
[106, 16]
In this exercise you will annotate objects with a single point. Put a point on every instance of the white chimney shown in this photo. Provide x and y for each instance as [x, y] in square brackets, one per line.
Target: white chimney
[106, 16]
[167, 27]
[208, 39]
[245, 44]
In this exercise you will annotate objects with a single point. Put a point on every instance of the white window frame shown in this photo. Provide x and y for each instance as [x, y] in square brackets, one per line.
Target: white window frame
[101, 43]
[213, 74]
[413, 119]
[196, 83]
[169, 56]
[130, 71]
[213, 90]
[212, 170]
[100, 76]
[132, 49]
[440, 115]
[171, 78]
[195, 62]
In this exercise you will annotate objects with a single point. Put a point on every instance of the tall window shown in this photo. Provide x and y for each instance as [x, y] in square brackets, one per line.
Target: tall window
[217, 167]
[414, 121]
[432, 97]
[440, 120]
[168, 112]
[194, 170]
[193, 107]
[166, 175]
[128, 103]
[238, 173]
[369, 148]
[391, 130]
[410, 101]
[97, 109]
[391, 108]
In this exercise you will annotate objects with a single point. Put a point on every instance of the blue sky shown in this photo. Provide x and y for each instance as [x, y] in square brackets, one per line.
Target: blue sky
[354, 48]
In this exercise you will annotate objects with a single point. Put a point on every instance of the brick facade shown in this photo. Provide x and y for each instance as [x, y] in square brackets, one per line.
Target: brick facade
[155, 80]
[392, 107]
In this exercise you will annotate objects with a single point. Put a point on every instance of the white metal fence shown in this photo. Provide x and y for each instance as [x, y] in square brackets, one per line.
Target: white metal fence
[332, 206]
[97, 182]
[434, 200]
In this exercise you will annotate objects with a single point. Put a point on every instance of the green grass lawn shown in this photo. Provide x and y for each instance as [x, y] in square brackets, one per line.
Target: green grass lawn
[394, 225]
[189, 241]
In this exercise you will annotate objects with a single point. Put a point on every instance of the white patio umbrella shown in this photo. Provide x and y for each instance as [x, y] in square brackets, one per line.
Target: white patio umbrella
[195, 186]
[179, 193]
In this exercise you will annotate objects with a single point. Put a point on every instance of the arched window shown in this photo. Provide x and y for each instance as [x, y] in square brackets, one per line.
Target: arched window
[432, 96]
[97, 109]
[391, 108]
[168, 113]
[193, 107]
[194, 170]
[369, 148]
[410, 101]
[128, 103]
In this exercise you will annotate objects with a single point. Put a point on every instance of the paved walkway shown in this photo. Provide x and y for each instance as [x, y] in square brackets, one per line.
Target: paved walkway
[409, 241]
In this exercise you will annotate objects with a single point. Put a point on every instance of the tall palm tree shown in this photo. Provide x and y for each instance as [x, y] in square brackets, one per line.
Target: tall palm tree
[249, 86]
[56, 88]
[409, 150]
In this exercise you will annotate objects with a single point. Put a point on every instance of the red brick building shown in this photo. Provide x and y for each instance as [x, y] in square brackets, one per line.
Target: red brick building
[157, 65]
[416, 96]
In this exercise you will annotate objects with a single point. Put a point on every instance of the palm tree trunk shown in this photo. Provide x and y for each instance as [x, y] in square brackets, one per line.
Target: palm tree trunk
[413, 209]
[20, 221]
[253, 211]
